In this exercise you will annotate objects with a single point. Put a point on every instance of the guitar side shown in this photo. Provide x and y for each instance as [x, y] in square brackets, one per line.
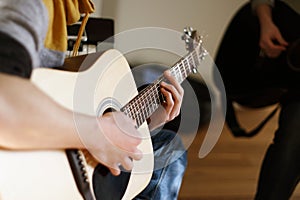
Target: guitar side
[108, 83]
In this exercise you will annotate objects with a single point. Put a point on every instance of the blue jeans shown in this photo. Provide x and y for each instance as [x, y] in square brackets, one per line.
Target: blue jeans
[280, 171]
[170, 161]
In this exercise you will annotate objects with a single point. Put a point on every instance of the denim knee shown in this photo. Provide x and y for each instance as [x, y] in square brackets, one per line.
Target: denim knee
[170, 162]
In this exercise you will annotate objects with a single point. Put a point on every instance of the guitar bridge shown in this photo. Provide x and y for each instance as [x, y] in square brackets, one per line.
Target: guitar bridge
[79, 169]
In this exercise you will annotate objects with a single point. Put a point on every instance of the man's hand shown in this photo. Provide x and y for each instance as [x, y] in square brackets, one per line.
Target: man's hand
[113, 141]
[271, 41]
[170, 109]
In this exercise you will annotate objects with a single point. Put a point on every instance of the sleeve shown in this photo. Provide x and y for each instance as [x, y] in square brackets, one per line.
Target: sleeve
[14, 58]
[25, 22]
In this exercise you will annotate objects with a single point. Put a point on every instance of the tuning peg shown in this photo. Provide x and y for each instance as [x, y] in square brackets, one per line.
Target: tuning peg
[194, 70]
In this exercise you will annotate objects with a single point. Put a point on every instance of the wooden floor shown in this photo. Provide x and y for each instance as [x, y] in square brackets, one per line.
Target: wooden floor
[230, 170]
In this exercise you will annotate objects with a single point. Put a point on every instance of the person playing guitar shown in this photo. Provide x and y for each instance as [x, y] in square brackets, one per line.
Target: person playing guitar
[31, 120]
[259, 62]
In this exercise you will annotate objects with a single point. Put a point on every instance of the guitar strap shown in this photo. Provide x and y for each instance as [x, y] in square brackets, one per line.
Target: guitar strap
[235, 127]
[80, 33]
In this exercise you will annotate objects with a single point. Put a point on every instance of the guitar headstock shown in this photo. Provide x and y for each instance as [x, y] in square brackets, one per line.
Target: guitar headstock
[191, 38]
[193, 43]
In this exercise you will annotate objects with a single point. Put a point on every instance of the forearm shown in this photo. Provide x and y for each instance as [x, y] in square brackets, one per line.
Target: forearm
[263, 9]
[31, 120]
[264, 14]
[255, 3]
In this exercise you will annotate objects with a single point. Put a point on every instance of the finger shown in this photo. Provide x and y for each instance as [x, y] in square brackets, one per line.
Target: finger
[176, 96]
[168, 105]
[136, 155]
[282, 41]
[275, 51]
[115, 170]
[175, 88]
[127, 163]
[173, 81]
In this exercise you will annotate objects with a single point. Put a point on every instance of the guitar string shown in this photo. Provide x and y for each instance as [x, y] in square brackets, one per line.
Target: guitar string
[152, 94]
[135, 108]
[140, 118]
[137, 104]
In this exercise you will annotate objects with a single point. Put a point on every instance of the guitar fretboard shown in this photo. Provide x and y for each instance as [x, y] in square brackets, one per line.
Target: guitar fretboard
[150, 98]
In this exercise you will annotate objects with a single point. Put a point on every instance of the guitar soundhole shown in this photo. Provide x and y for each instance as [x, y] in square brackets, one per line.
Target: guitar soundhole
[108, 186]
[108, 105]
[109, 110]
[102, 170]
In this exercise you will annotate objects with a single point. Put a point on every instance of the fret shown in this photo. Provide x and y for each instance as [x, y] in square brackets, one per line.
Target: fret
[189, 66]
[193, 59]
[137, 119]
[134, 111]
[148, 100]
[154, 101]
[175, 71]
[146, 106]
[131, 112]
[182, 66]
[181, 69]
[178, 71]
[127, 111]
[196, 54]
[184, 70]
[143, 114]
[138, 113]
[172, 70]
[143, 106]
[179, 75]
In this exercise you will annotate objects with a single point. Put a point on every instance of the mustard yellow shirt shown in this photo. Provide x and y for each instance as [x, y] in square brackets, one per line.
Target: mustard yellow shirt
[62, 13]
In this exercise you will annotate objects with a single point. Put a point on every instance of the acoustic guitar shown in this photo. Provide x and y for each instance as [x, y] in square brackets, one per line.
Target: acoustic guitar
[252, 79]
[104, 82]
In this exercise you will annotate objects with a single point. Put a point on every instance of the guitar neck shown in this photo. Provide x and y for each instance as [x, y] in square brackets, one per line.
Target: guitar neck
[150, 98]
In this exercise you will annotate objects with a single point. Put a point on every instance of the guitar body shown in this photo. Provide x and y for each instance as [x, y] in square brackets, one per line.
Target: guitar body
[106, 83]
[250, 79]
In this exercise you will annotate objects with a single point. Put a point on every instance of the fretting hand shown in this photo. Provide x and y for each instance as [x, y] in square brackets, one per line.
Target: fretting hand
[271, 41]
[170, 109]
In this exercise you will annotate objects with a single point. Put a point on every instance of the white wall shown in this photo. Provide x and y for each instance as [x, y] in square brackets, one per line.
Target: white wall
[209, 17]
[98, 6]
